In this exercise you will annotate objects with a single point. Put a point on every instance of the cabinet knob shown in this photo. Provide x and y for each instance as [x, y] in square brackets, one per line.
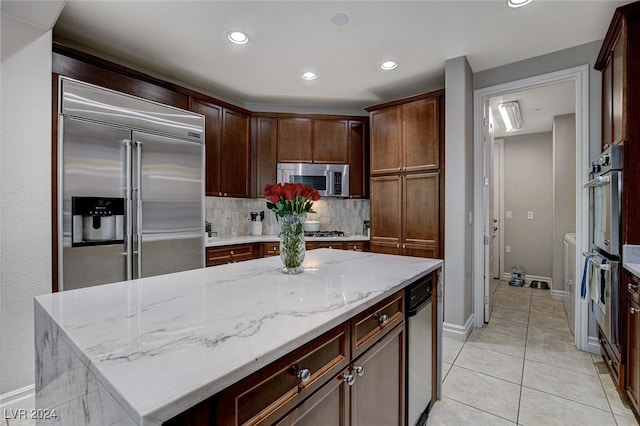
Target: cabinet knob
[404, 246]
[382, 319]
[219, 194]
[633, 310]
[231, 251]
[359, 370]
[398, 169]
[348, 379]
[330, 247]
[632, 286]
[225, 194]
[355, 247]
[304, 374]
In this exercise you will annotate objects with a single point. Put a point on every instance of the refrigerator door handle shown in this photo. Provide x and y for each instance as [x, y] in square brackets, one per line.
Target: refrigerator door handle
[128, 243]
[138, 248]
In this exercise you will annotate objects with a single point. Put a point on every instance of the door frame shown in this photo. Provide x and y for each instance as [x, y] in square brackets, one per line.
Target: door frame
[580, 76]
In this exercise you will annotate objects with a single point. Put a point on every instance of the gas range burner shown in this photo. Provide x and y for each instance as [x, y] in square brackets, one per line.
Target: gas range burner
[324, 234]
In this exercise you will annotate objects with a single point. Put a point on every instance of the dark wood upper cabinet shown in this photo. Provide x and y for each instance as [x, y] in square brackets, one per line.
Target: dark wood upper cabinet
[358, 159]
[228, 150]
[385, 139]
[265, 145]
[295, 139]
[213, 136]
[405, 135]
[330, 141]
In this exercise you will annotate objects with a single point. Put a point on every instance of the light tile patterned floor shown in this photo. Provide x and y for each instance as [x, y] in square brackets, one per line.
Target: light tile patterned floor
[523, 369]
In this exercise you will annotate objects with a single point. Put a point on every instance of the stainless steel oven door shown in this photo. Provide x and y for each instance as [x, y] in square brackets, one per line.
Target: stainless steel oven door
[606, 211]
[605, 290]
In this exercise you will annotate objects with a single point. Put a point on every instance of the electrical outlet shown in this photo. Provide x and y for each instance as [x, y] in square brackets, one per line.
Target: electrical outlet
[507, 249]
[234, 215]
[508, 214]
[529, 215]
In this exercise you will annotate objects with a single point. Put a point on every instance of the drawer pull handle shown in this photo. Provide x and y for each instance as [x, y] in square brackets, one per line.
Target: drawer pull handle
[359, 370]
[304, 374]
[632, 286]
[633, 310]
[348, 379]
[382, 319]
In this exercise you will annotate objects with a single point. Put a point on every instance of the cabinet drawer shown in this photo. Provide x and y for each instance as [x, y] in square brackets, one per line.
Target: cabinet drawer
[371, 325]
[357, 246]
[268, 394]
[271, 249]
[338, 245]
[229, 254]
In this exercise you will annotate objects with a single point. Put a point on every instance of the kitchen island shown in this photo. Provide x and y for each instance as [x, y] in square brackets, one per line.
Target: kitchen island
[144, 351]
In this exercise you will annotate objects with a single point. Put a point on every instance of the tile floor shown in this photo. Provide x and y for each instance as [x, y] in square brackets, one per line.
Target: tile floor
[523, 369]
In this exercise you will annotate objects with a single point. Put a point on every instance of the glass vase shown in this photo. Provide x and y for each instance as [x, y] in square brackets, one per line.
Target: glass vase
[292, 244]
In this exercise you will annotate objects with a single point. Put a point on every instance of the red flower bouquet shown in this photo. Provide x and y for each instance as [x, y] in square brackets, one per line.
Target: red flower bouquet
[290, 198]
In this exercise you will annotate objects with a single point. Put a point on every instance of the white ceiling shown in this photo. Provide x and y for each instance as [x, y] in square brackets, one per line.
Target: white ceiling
[185, 41]
[538, 106]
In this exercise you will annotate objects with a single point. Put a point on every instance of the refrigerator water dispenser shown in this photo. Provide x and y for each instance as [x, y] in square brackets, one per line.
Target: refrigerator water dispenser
[97, 221]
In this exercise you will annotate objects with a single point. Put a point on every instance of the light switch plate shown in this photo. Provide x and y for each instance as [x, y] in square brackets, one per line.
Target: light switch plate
[507, 249]
[529, 215]
[508, 214]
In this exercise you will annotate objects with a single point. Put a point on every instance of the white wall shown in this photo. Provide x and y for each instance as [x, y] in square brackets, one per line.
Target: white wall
[458, 233]
[25, 193]
[528, 187]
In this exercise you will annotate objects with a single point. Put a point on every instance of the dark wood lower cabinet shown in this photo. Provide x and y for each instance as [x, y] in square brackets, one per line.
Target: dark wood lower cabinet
[353, 375]
[377, 397]
[633, 352]
[329, 406]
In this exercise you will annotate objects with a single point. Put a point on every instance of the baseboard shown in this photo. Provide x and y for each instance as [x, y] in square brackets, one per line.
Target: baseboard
[559, 294]
[593, 345]
[19, 399]
[457, 332]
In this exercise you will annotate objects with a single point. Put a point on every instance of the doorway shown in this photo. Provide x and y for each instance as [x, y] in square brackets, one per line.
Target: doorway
[483, 225]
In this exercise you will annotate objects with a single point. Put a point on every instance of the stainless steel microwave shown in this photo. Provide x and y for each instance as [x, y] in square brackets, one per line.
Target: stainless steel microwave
[331, 180]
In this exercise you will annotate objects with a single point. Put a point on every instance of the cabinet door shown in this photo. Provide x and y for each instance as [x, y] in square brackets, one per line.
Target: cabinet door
[331, 141]
[421, 135]
[294, 140]
[385, 209]
[633, 352]
[421, 209]
[235, 171]
[358, 177]
[618, 67]
[606, 105]
[328, 406]
[212, 131]
[377, 396]
[265, 141]
[386, 137]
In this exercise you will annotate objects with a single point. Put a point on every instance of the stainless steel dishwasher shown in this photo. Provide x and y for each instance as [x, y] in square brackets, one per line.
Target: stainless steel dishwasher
[419, 351]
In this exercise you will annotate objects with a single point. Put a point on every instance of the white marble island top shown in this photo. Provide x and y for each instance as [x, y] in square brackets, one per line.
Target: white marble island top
[160, 345]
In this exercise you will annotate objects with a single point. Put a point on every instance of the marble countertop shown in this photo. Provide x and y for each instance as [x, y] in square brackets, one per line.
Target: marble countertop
[162, 344]
[631, 259]
[243, 239]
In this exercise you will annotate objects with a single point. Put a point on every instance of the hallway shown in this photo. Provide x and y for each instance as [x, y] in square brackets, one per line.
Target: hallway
[524, 369]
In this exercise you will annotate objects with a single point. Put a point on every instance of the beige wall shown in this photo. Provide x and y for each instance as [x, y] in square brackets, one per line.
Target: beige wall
[25, 193]
[564, 191]
[528, 186]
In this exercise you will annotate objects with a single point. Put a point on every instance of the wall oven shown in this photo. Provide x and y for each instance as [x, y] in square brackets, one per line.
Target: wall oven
[604, 260]
[331, 180]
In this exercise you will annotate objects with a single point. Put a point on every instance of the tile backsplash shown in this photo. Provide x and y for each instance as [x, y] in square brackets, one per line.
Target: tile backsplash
[229, 217]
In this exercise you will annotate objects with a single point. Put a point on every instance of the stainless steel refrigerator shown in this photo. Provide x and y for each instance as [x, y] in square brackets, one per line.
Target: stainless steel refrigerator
[130, 187]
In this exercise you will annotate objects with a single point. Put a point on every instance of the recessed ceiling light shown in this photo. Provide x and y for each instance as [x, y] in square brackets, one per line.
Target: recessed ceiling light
[237, 37]
[309, 75]
[389, 65]
[339, 19]
[518, 3]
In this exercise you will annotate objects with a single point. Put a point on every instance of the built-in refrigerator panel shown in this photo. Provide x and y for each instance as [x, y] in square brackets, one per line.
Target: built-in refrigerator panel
[94, 161]
[170, 186]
